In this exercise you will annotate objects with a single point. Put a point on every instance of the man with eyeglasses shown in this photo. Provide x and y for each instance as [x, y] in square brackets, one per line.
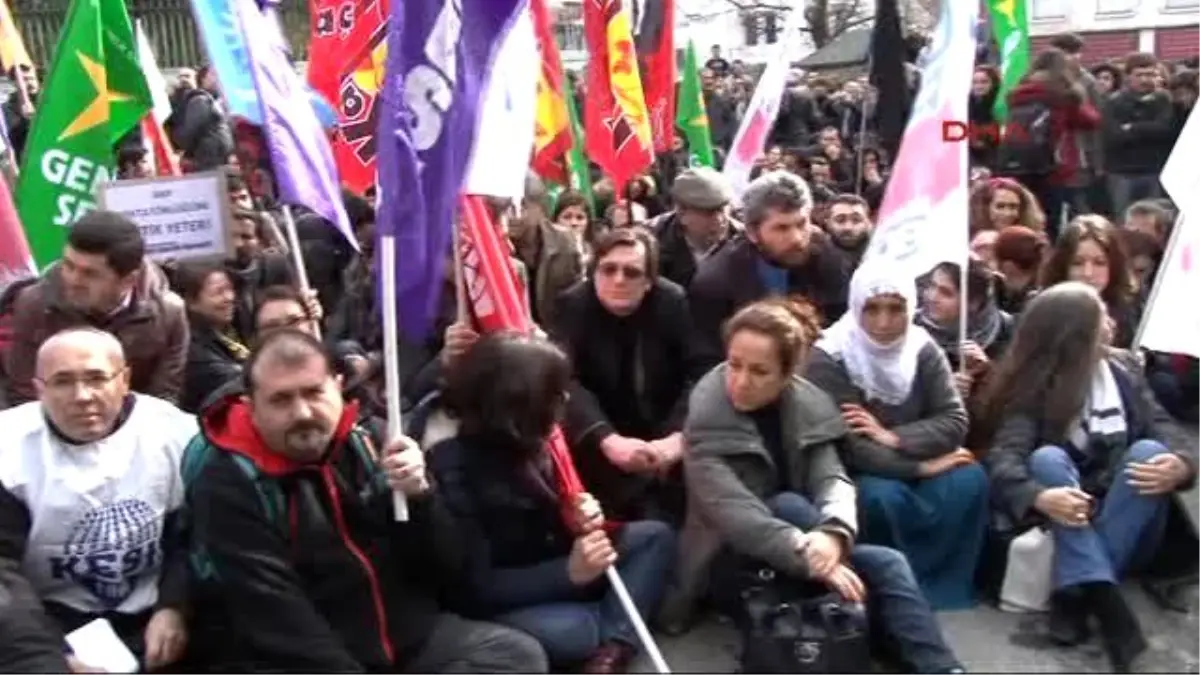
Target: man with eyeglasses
[90, 496]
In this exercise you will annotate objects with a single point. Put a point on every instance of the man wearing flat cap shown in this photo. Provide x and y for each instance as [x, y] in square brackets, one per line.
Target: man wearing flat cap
[698, 227]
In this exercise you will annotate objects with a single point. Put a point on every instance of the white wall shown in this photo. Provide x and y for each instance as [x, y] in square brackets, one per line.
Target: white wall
[1049, 17]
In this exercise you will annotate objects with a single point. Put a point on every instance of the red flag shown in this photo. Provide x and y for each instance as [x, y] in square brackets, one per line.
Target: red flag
[656, 47]
[552, 136]
[347, 50]
[618, 126]
[493, 292]
[155, 139]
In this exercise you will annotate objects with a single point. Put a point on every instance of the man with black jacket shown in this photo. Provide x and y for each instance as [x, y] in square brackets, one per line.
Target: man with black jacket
[201, 130]
[1138, 127]
[301, 563]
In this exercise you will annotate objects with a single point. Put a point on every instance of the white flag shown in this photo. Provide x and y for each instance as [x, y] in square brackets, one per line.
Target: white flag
[1170, 323]
[154, 77]
[923, 219]
[507, 116]
[763, 108]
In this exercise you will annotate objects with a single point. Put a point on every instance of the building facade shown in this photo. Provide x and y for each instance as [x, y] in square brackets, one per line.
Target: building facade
[1111, 29]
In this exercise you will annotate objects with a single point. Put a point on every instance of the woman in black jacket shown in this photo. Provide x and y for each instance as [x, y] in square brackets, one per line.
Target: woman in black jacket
[626, 331]
[216, 351]
[1075, 448]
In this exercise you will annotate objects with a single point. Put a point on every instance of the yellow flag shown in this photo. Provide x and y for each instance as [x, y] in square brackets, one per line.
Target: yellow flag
[12, 47]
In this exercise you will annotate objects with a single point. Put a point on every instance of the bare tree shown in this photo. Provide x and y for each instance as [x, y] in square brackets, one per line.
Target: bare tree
[825, 20]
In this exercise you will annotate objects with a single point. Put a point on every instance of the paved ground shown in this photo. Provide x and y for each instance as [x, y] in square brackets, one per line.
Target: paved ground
[986, 640]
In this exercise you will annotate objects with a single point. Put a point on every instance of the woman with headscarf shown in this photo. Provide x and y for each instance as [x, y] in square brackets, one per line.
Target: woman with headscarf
[919, 490]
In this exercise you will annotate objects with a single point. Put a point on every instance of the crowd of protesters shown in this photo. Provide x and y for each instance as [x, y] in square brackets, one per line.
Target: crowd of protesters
[194, 450]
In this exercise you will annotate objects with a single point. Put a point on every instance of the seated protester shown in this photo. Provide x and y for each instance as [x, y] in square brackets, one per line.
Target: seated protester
[529, 570]
[300, 564]
[628, 334]
[699, 225]
[989, 329]
[919, 490]
[281, 307]
[216, 352]
[1018, 252]
[105, 281]
[1076, 448]
[765, 479]
[777, 256]
[252, 267]
[551, 257]
[90, 497]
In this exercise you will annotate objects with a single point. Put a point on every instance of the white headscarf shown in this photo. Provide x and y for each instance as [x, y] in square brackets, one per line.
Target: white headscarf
[884, 373]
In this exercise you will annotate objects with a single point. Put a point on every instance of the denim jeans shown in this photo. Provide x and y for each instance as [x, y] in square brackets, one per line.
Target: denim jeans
[571, 630]
[1125, 189]
[1118, 531]
[894, 600]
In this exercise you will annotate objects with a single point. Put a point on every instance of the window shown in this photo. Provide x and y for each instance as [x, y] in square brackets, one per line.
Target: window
[568, 27]
[750, 26]
[771, 27]
[1048, 9]
[1174, 5]
[1117, 6]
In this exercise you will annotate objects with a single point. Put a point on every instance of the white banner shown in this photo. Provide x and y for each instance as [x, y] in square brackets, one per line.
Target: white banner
[180, 218]
[504, 137]
[923, 218]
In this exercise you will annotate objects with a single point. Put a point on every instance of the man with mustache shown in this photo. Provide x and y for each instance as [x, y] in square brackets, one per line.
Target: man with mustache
[301, 563]
[779, 255]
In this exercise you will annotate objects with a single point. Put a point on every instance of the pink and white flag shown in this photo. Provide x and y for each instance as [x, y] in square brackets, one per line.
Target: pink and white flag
[763, 109]
[923, 218]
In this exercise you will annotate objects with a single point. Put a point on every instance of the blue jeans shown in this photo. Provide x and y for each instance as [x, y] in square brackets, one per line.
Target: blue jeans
[894, 600]
[572, 629]
[1125, 189]
[1103, 549]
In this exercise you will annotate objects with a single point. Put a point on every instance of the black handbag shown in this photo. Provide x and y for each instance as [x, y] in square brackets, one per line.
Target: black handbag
[795, 626]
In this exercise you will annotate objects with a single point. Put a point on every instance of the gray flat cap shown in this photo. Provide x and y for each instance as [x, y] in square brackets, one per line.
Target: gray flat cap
[701, 188]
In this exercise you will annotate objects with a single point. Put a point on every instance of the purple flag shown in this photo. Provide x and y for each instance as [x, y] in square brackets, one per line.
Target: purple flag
[300, 152]
[437, 69]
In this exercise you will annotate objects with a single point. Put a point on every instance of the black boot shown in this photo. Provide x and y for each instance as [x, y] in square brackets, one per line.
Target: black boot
[1068, 624]
[1120, 631]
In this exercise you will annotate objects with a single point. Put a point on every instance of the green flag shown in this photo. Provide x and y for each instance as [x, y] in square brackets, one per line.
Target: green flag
[1010, 25]
[577, 163]
[94, 95]
[690, 115]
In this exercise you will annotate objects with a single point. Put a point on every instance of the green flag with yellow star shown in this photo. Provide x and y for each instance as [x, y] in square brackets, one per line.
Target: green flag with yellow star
[1010, 25]
[95, 93]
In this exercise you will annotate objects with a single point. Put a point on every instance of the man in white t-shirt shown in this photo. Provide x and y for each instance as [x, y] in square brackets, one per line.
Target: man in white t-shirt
[90, 492]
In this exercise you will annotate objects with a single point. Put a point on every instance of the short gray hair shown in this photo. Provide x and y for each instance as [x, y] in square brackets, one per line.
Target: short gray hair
[774, 191]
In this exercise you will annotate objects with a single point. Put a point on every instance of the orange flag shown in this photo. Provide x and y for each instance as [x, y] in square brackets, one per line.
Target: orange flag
[617, 123]
[552, 133]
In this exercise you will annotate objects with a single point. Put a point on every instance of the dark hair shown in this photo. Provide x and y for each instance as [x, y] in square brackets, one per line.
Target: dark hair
[1185, 79]
[358, 210]
[1138, 243]
[190, 276]
[1069, 43]
[791, 323]
[568, 199]
[292, 347]
[980, 281]
[1046, 370]
[1117, 75]
[235, 183]
[1021, 246]
[849, 199]
[1119, 292]
[1140, 60]
[111, 235]
[627, 236]
[1152, 209]
[279, 293]
[130, 154]
[509, 389]
[260, 222]
[1053, 69]
[775, 191]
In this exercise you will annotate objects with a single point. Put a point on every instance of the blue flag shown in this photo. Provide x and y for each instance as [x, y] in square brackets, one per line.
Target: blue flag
[437, 70]
[300, 152]
[226, 48]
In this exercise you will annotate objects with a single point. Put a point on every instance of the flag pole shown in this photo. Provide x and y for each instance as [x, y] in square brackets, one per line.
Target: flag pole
[298, 260]
[1172, 242]
[460, 286]
[391, 357]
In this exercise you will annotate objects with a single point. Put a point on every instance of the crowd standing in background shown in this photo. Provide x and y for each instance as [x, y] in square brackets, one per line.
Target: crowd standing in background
[733, 389]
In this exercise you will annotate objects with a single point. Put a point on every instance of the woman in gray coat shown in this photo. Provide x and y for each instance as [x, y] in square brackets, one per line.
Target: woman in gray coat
[764, 478]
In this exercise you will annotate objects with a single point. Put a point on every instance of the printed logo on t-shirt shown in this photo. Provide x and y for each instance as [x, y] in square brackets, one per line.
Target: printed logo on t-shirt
[109, 549]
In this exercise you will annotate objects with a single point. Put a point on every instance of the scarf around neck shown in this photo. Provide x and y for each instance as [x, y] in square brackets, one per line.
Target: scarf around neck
[983, 327]
[884, 373]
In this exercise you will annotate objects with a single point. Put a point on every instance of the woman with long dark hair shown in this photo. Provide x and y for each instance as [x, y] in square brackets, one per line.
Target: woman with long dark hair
[527, 569]
[1075, 448]
[216, 351]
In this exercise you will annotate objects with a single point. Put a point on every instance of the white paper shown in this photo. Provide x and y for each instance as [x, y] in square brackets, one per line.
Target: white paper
[97, 645]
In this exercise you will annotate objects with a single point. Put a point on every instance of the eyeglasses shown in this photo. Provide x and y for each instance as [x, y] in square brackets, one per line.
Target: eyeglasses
[94, 380]
[628, 271]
